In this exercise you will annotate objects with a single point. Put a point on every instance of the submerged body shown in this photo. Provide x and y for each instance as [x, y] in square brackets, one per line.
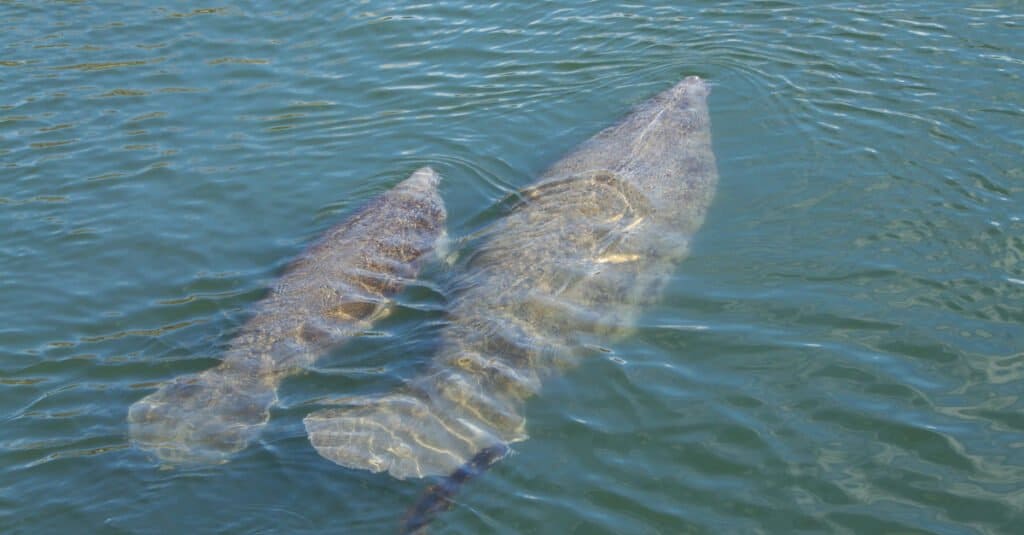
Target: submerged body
[593, 240]
[331, 293]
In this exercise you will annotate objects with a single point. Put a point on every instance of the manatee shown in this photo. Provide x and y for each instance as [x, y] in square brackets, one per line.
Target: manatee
[572, 264]
[329, 294]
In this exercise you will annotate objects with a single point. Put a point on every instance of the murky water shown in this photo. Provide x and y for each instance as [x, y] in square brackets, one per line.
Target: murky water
[842, 352]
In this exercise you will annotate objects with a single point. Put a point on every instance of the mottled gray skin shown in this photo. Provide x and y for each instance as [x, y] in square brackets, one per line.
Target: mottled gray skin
[329, 294]
[596, 238]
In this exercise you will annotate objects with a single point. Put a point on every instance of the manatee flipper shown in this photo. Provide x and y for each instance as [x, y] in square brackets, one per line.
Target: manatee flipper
[333, 292]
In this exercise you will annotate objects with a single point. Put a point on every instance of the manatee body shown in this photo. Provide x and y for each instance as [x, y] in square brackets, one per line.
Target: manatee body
[597, 237]
[329, 294]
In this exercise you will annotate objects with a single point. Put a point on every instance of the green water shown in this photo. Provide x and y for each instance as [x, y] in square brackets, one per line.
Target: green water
[842, 353]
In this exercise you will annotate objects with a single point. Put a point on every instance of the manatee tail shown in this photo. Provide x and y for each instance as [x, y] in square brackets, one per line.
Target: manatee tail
[201, 418]
[412, 433]
[439, 498]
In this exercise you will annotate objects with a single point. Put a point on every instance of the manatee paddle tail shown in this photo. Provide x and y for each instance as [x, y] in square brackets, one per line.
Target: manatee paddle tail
[331, 293]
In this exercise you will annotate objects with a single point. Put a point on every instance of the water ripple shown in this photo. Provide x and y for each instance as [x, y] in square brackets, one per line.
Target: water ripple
[840, 353]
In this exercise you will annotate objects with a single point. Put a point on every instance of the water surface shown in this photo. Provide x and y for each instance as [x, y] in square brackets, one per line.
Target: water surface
[843, 352]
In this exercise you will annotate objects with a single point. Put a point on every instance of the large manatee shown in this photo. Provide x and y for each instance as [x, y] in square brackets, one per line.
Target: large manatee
[329, 294]
[594, 239]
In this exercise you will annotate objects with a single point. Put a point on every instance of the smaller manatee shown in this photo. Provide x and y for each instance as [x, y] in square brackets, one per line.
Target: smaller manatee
[332, 292]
